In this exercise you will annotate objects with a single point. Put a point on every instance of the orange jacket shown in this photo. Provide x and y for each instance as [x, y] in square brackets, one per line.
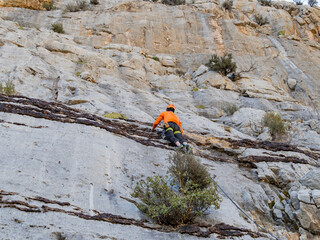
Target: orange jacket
[168, 116]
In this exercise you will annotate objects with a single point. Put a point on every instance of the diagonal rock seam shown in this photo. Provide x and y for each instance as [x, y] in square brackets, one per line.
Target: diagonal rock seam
[199, 230]
[132, 129]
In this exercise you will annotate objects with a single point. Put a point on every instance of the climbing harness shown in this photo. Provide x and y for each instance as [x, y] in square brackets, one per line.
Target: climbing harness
[234, 203]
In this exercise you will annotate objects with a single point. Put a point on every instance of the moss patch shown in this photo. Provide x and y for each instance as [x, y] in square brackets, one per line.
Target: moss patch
[115, 115]
[200, 107]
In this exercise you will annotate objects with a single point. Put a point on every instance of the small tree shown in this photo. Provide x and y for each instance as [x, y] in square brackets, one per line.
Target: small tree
[180, 198]
[312, 3]
[230, 109]
[275, 124]
[8, 88]
[94, 2]
[227, 4]
[223, 65]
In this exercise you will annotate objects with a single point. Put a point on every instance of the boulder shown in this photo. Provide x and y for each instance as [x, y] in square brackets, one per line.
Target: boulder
[308, 216]
[167, 60]
[201, 70]
[304, 196]
[311, 179]
[215, 80]
[247, 120]
[292, 83]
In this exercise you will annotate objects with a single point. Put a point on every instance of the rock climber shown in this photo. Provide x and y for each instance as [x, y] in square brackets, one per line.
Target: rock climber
[173, 128]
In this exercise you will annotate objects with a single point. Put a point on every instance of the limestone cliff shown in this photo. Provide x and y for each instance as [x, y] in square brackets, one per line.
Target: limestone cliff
[31, 4]
[61, 159]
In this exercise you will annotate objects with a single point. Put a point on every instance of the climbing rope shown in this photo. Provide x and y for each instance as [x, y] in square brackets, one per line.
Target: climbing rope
[243, 211]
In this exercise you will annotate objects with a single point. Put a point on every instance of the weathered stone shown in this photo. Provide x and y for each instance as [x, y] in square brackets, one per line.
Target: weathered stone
[308, 216]
[311, 179]
[294, 200]
[201, 70]
[304, 196]
[316, 197]
[32, 4]
[289, 212]
[292, 83]
[166, 60]
[278, 213]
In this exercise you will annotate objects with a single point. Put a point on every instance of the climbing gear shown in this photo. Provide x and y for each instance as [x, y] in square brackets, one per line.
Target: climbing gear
[169, 129]
[171, 106]
[179, 148]
[176, 132]
[234, 203]
[163, 134]
[187, 149]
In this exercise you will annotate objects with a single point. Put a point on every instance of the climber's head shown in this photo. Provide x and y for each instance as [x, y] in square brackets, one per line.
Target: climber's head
[171, 108]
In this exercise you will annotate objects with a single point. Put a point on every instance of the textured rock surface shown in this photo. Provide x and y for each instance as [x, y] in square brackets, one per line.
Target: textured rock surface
[32, 4]
[134, 58]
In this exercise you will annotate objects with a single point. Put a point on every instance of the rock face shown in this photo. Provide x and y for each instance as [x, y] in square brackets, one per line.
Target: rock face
[31, 4]
[62, 160]
[310, 179]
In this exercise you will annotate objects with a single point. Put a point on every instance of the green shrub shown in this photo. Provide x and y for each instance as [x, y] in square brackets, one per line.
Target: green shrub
[94, 2]
[195, 89]
[275, 124]
[79, 5]
[312, 3]
[200, 107]
[223, 65]
[185, 167]
[8, 88]
[156, 58]
[260, 20]
[265, 2]
[48, 6]
[173, 2]
[57, 27]
[227, 4]
[173, 201]
[115, 115]
[230, 109]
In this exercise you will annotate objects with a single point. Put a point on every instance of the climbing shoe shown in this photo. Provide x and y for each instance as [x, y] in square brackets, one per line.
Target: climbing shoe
[187, 149]
[179, 149]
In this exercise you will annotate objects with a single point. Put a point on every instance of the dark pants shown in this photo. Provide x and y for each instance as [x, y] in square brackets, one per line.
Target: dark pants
[173, 133]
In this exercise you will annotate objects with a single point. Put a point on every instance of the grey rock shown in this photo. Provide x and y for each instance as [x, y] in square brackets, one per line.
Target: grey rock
[316, 197]
[289, 212]
[311, 179]
[278, 214]
[201, 70]
[294, 200]
[292, 83]
[278, 205]
[304, 196]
